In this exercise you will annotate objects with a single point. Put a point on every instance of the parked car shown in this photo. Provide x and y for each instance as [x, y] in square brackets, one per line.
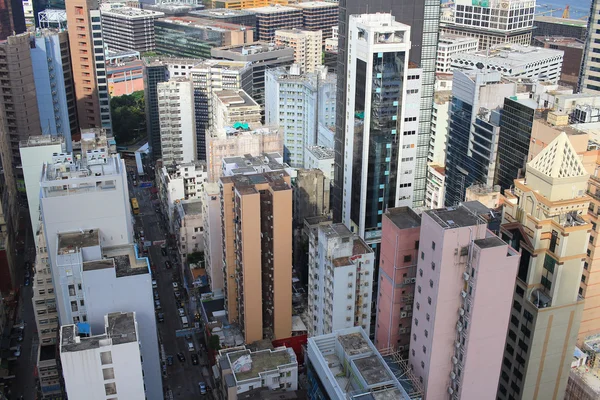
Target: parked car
[202, 387]
[161, 317]
[169, 360]
[195, 359]
[17, 352]
[181, 357]
[156, 295]
[27, 282]
[175, 285]
[157, 304]
[191, 347]
[181, 312]
[27, 273]
[177, 294]
[154, 285]
[168, 264]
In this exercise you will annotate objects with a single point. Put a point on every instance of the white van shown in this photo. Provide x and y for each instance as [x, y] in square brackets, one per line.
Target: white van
[184, 322]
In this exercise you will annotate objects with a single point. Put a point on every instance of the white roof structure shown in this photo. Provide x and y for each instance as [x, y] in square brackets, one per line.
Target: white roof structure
[558, 160]
[51, 18]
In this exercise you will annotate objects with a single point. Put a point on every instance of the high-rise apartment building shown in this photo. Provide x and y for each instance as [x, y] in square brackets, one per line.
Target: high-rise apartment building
[231, 107]
[474, 123]
[177, 121]
[492, 22]
[12, 18]
[423, 18]
[340, 280]
[381, 129]
[257, 252]
[299, 103]
[89, 67]
[275, 17]
[397, 275]
[515, 136]
[307, 45]
[19, 119]
[208, 77]
[127, 28]
[542, 219]
[109, 364]
[464, 286]
[213, 244]
[439, 119]
[54, 86]
[154, 73]
[262, 56]
[95, 266]
[589, 77]
[319, 16]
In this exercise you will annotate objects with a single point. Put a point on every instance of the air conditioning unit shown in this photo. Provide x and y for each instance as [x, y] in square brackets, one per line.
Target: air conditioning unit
[454, 360]
[403, 314]
[466, 276]
[463, 294]
[410, 314]
[452, 375]
[413, 280]
[457, 344]
[400, 348]
[459, 326]
[408, 307]
[407, 281]
[450, 390]
[461, 311]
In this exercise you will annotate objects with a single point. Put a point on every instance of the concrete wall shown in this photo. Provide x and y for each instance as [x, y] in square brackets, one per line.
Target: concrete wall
[213, 244]
[282, 262]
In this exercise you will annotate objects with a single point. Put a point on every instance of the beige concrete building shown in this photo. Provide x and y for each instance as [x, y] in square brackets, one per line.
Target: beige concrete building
[543, 219]
[307, 45]
[230, 107]
[257, 236]
[87, 60]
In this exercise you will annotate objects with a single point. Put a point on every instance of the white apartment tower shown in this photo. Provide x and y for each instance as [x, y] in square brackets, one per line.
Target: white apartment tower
[88, 228]
[382, 123]
[213, 244]
[103, 366]
[340, 282]
[300, 104]
[177, 121]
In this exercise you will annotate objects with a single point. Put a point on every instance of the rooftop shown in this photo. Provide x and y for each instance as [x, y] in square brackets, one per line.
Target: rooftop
[203, 23]
[510, 54]
[120, 329]
[131, 12]
[316, 4]
[321, 152]
[273, 9]
[454, 217]
[42, 140]
[354, 343]
[221, 13]
[192, 207]
[246, 184]
[561, 41]
[71, 242]
[251, 48]
[124, 260]
[235, 98]
[562, 21]
[261, 361]
[248, 164]
[372, 370]
[456, 39]
[489, 242]
[403, 217]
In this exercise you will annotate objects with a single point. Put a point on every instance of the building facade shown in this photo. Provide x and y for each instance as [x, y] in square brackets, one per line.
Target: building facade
[275, 17]
[465, 274]
[340, 281]
[55, 92]
[12, 18]
[542, 220]
[423, 17]
[449, 45]
[307, 45]
[397, 275]
[319, 16]
[257, 253]
[127, 28]
[213, 243]
[492, 22]
[589, 76]
[436, 186]
[381, 129]
[109, 364]
[176, 116]
[298, 103]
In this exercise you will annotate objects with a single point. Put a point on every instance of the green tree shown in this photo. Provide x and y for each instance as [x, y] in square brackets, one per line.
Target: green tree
[128, 117]
[195, 257]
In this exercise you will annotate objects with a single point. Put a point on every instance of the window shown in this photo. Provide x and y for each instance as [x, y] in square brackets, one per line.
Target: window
[108, 373]
[427, 316]
[419, 288]
[433, 265]
[106, 357]
[71, 290]
[420, 271]
[422, 364]
[422, 256]
[431, 283]
[426, 333]
[418, 306]
[416, 322]
[407, 258]
[424, 350]
[110, 388]
[519, 291]
[429, 300]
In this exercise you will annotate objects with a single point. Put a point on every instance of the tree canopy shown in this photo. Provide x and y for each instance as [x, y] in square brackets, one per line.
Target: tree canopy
[128, 117]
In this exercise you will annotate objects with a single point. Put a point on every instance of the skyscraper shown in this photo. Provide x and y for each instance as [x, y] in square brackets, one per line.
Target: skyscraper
[380, 126]
[12, 18]
[589, 76]
[423, 18]
[89, 69]
[542, 219]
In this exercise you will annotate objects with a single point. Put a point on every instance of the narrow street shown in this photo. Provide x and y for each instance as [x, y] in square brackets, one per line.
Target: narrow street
[182, 377]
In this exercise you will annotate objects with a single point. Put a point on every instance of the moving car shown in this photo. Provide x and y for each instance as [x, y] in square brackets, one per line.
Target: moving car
[181, 312]
[181, 357]
[191, 346]
[175, 285]
[202, 387]
[18, 351]
[169, 360]
[26, 281]
[195, 359]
